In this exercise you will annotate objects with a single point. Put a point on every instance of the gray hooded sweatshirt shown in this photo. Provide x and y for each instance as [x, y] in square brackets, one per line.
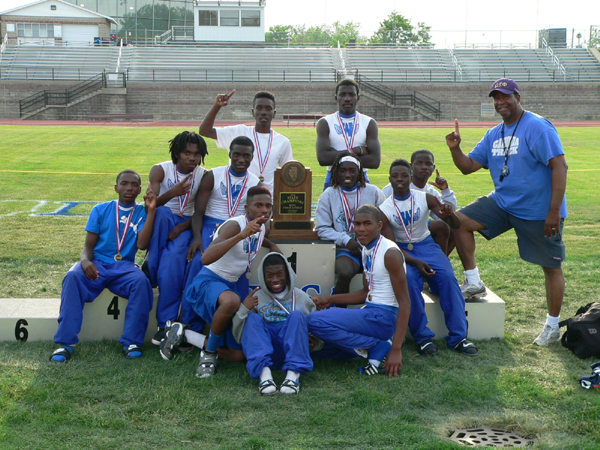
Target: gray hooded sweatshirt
[267, 307]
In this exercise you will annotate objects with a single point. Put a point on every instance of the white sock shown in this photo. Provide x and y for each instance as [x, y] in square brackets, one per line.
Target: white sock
[375, 362]
[552, 322]
[291, 375]
[266, 374]
[195, 338]
[473, 276]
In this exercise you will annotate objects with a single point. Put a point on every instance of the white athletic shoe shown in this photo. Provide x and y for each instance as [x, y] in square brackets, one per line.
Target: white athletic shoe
[548, 336]
[470, 291]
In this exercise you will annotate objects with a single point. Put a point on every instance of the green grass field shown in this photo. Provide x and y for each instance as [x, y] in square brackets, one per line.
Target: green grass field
[101, 400]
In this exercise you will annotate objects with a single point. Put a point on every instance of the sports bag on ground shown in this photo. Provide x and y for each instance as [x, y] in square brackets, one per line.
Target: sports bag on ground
[583, 331]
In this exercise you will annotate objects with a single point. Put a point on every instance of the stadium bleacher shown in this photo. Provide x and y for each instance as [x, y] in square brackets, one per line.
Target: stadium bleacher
[191, 63]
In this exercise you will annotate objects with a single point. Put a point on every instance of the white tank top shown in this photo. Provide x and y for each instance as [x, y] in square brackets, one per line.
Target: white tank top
[171, 176]
[220, 202]
[233, 264]
[352, 132]
[381, 291]
[420, 216]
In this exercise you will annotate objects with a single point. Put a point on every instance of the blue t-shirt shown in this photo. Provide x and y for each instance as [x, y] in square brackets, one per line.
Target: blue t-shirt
[526, 191]
[102, 222]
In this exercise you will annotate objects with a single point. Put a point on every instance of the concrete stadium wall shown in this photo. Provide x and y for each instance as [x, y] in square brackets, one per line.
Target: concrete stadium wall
[190, 101]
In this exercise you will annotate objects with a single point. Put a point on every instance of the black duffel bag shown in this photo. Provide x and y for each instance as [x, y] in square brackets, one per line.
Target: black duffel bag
[583, 331]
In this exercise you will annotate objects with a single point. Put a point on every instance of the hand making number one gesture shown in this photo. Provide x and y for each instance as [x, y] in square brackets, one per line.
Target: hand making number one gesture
[453, 139]
[223, 99]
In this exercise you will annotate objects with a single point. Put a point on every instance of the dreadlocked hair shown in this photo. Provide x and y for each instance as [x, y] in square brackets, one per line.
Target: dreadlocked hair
[336, 165]
[178, 143]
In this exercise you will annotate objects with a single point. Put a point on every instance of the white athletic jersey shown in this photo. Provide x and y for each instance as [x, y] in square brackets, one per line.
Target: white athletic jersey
[446, 196]
[281, 150]
[218, 206]
[169, 180]
[381, 291]
[420, 231]
[342, 139]
[233, 264]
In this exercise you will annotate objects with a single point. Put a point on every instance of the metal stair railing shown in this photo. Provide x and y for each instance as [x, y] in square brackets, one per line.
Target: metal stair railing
[64, 97]
[418, 101]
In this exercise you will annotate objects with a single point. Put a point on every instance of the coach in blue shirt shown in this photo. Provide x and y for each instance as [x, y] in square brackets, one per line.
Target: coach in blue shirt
[527, 164]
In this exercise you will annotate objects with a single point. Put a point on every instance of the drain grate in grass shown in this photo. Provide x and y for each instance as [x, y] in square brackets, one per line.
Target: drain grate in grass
[489, 437]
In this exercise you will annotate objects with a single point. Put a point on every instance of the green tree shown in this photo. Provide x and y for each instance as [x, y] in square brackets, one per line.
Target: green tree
[281, 34]
[318, 34]
[594, 41]
[397, 29]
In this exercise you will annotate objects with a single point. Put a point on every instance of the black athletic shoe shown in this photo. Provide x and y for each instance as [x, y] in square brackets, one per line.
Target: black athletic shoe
[159, 336]
[466, 348]
[174, 337]
[428, 349]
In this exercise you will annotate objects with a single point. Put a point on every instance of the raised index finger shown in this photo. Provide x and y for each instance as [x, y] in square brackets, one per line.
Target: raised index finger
[437, 173]
[254, 291]
[230, 94]
[456, 126]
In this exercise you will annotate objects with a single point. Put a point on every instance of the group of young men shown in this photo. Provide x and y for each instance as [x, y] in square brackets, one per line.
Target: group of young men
[203, 229]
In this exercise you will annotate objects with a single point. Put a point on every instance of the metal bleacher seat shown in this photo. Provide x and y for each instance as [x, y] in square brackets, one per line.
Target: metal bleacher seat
[232, 64]
[58, 63]
[400, 64]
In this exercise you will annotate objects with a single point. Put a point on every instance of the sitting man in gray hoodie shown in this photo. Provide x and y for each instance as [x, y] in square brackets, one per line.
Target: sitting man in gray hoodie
[272, 328]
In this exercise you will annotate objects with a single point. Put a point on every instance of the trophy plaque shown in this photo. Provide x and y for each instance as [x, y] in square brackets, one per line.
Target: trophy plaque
[292, 199]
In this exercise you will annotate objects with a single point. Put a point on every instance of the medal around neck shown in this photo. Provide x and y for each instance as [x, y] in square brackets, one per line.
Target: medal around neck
[118, 257]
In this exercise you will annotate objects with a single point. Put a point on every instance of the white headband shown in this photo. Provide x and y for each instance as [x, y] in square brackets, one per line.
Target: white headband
[349, 159]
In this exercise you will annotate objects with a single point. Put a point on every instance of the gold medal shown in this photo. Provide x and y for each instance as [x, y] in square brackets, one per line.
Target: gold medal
[248, 275]
[410, 246]
[369, 297]
[261, 178]
[118, 257]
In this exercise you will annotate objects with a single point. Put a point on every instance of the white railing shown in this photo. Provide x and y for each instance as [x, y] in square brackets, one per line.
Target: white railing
[163, 38]
[456, 64]
[3, 46]
[119, 58]
[555, 60]
[492, 46]
[182, 33]
[342, 62]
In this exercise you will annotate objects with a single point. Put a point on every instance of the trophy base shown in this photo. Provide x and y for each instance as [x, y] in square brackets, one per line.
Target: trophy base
[293, 231]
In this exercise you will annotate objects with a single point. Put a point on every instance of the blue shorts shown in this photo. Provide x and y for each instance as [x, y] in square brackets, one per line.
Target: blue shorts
[204, 293]
[348, 253]
[534, 247]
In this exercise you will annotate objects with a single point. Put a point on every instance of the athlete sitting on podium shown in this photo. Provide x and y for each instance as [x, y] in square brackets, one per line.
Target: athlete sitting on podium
[405, 216]
[115, 231]
[335, 214]
[213, 294]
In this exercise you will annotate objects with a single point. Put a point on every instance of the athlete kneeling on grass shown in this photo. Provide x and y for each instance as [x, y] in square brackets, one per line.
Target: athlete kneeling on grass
[271, 325]
[378, 328]
[115, 231]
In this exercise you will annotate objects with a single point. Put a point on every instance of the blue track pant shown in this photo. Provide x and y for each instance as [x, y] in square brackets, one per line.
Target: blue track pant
[122, 278]
[282, 345]
[443, 282]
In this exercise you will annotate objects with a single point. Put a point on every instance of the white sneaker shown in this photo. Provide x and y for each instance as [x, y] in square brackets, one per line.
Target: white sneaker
[470, 291]
[208, 364]
[548, 336]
